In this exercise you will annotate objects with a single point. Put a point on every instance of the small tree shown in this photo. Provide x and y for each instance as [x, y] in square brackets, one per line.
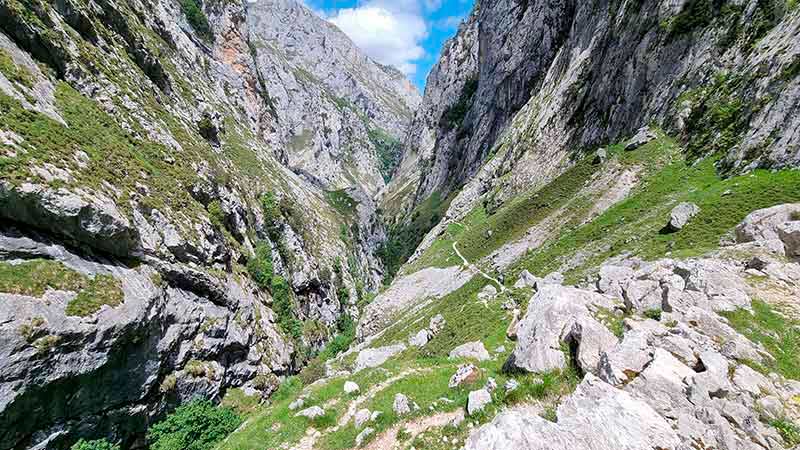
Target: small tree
[197, 425]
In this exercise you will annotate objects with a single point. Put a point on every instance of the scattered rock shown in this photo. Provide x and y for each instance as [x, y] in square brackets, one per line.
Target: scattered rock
[756, 263]
[311, 413]
[491, 384]
[419, 339]
[766, 224]
[471, 350]
[551, 278]
[526, 280]
[466, 373]
[436, 324]
[511, 385]
[642, 137]
[612, 278]
[500, 349]
[374, 357]
[790, 235]
[361, 417]
[401, 405]
[375, 415]
[350, 387]
[297, 404]
[478, 400]
[487, 293]
[680, 216]
[600, 156]
[363, 435]
[513, 327]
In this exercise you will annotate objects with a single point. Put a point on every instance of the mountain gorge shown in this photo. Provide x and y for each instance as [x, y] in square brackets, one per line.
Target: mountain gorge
[222, 225]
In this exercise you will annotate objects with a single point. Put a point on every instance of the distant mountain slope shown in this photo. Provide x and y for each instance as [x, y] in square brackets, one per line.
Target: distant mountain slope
[339, 112]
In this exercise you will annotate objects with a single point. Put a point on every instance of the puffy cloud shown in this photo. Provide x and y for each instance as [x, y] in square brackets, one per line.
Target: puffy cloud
[390, 31]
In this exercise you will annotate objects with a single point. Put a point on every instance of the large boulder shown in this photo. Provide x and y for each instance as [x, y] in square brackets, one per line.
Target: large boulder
[374, 357]
[471, 350]
[596, 416]
[767, 224]
[681, 215]
[559, 315]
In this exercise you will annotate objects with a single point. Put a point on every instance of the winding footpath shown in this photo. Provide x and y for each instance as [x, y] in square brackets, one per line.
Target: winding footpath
[477, 269]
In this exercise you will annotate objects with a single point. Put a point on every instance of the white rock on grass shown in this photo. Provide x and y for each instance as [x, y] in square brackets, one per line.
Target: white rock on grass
[374, 357]
[511, 385]
[297, 404]
[350, 387]
[419, 339]
[526, 280]
[466, 373]
[642, 137]
[311, 413]
[681, 215]
[478, 400]
[361, 417]
[363, 435]
[436, 324]
[471, 350]
[487, 293]
[375, 415]
[401, 405]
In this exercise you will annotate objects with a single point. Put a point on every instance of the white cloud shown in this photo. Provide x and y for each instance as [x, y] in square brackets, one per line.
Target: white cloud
[390, 31]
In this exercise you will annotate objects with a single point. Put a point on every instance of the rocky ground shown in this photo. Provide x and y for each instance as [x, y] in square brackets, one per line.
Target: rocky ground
[671, 353]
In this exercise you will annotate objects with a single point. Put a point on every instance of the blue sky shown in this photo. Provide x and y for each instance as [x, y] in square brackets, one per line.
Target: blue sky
[407, 34]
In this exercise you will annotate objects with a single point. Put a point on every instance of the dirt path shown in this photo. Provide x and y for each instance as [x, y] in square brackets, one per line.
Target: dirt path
[477, 269]
[388, 440]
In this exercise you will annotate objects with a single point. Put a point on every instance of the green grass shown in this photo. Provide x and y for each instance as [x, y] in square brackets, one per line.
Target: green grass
[389, 151]
[193, 9]
[34, 277]
[102, 290]
[342, 202]
[778, 334]
[789, 431]
[633, 225]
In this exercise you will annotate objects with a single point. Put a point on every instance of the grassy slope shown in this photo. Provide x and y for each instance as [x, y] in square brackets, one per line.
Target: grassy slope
[632, 226]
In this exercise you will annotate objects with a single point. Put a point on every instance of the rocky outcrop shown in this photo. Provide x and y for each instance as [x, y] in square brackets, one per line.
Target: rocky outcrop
[113, 370]
[678, 361]
[597, 416]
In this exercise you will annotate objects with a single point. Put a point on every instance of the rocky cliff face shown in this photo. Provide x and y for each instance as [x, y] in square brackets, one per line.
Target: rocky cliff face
[529, 85]
[159, 230]
[340, 113]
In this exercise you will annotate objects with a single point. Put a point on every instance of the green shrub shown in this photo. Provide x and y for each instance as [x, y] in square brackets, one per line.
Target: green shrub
[315, 370]
[260, 266]
[99, 444]
[193, 9]
[788, 431]
[284, 307]
[198, 425]
[453, 116]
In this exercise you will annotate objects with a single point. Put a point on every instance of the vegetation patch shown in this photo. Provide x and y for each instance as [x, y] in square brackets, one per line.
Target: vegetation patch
[197, 425]
[98, 444]
[193, 9]
[240, 402]
[454, 115]
[632, 226]
[788, 431]
[342, 202]
[778, 334]
[36, 276]
[101, 290]
[389, 151]
[404, 237]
